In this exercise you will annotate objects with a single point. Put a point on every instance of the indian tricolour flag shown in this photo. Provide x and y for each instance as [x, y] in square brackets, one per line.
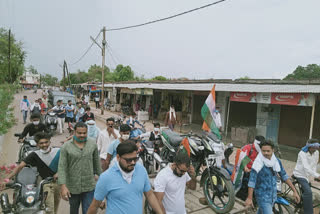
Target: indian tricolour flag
[241, 160]
[207, 112]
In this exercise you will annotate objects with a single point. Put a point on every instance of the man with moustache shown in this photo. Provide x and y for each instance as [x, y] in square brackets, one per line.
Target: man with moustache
[123, 184]
[79, 166]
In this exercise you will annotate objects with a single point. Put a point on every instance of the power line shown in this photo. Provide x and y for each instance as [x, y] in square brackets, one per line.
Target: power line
[85, 53]
[166, 18]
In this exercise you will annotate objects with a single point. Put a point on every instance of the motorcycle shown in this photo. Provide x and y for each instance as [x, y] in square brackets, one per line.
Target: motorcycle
[150, 155]
[28, 145]
[207, 151]
[51, 122]
[118, 121]
[27, 196]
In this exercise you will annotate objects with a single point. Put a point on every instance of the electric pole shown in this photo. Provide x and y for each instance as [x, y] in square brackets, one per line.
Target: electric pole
[103, 65]
[9, 56]
[64, 75]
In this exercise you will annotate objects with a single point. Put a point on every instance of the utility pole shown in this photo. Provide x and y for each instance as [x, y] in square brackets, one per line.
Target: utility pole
[64, 75]
[9, 56]
[104, 42]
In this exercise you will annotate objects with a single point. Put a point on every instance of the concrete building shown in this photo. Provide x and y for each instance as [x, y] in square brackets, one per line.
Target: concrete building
[29, 80]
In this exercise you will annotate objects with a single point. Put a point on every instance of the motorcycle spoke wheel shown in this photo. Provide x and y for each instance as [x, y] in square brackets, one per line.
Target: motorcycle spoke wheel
[282, 209]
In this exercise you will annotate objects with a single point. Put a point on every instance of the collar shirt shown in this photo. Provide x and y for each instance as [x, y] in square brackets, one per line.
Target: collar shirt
[307, 165]
[104, 140]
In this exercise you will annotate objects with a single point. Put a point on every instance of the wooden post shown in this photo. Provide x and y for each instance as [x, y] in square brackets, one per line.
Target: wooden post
[103, 65]
[312, 119]
[227, 122]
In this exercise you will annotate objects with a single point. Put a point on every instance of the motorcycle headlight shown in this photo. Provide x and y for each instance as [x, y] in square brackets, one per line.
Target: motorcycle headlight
[30, 199]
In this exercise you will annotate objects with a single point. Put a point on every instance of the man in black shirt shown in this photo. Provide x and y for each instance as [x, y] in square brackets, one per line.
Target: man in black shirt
[88, 115]
[46, 159]
[33, 127]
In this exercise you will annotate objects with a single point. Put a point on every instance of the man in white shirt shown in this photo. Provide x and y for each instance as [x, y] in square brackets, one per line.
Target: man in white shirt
[105, 138]
[153, 135]
[306, 167]
[170, 184]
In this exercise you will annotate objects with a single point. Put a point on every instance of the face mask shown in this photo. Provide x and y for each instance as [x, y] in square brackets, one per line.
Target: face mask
[216, 111]
[36, 122]
[45, 151]
[156, 129]
[36, 104]
[176, 173]
[125, 137]
[78, 140]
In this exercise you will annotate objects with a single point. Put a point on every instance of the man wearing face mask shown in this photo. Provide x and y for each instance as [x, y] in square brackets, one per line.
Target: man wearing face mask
[153, 135]
[79, 166]
[93, 130]
[33, 127]
[46, 161]
[217, 118]
[170, 184]
[35, 107]
[112, 150]
[60, 110]
[124, 184]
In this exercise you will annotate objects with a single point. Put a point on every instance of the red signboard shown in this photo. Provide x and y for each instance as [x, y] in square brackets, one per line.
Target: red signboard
[93, 88]
[243, 97]
[289, 99]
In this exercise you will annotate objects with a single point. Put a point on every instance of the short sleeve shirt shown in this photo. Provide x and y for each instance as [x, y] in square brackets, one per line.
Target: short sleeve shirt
[112, 150]
[173, 188]
[122, 197]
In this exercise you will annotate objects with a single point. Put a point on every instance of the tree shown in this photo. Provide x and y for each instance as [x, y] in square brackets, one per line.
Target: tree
[244, 78]
[32, 69]
[122, 73]
[17, 57]
[311, 71]
[47, 79]
[159, 78]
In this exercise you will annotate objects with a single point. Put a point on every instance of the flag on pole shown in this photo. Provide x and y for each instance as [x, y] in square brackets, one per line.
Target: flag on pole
[207, 112]
[241, 160]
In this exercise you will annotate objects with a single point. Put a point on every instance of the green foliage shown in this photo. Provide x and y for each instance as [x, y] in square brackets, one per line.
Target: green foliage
[32, 69]
[17, 57]
[7, 119]
[244, 78]
[311, 71]
[159, 78]
[47, 79]
[122, 73]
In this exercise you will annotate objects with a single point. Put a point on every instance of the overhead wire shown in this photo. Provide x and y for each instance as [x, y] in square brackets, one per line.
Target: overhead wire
[85, 53]
[166, 18]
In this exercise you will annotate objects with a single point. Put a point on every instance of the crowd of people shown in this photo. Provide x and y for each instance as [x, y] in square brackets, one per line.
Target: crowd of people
[95, 165]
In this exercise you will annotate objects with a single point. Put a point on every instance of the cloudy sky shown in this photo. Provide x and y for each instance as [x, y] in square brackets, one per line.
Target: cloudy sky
[236, 38]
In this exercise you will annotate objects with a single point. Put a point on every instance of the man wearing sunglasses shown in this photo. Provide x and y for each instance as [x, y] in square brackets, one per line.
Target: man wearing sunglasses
[123, 184]
[105, 138]
[170, 184]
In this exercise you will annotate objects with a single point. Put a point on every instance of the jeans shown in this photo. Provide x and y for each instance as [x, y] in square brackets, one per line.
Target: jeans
[24, 114]
[60, 124]
[306, 196]
[85, 198]
[265, 208]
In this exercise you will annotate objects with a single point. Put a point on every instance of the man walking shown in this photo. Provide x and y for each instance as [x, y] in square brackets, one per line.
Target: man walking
[105, 138]
[123, 185]
[171, 118]
[170, 184]
[263, 179]
[60, 111]
[306, 167]
[79, 111]
[24, 107]
[78, 166]
[69, 112]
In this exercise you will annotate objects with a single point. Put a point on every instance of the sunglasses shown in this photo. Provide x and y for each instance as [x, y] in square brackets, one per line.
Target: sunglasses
[129, 160]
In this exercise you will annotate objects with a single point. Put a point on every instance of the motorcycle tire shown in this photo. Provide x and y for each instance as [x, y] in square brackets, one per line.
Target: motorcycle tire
[282, 209]
[222, 188]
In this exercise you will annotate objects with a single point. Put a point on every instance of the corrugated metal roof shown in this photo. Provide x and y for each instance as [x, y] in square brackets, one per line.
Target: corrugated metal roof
[260, 88]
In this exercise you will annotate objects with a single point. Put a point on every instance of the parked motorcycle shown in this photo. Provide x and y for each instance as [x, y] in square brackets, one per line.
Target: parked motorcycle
[206, 150]
[28, 145]
[27, 196]
[51, 122]
[118, 121]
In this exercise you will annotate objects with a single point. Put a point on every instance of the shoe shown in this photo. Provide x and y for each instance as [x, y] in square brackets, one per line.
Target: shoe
[203, 201]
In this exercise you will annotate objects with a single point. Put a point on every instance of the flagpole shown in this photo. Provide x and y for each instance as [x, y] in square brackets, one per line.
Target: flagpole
[226, 132]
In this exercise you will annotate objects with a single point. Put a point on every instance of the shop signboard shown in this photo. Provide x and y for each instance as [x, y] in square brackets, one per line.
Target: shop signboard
[296, 99]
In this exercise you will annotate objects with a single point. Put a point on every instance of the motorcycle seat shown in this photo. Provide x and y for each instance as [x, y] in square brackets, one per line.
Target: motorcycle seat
[149, 144]
[172, 137]
[27, 176]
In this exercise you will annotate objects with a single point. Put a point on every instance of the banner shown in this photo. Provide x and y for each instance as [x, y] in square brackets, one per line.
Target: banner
[243, 97]
[292, 99]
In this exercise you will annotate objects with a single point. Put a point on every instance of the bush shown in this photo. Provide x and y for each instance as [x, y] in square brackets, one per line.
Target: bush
[7, 119]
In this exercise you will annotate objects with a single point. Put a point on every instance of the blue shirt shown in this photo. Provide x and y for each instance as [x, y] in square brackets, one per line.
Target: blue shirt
[265, 183]
[69, 113]
[112, 149]
[122, 197]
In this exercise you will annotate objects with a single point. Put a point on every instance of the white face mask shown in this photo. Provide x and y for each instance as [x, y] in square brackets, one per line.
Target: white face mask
[156, 129]
[36, 122]
[45, 151]
[125, 137]
[36, 104]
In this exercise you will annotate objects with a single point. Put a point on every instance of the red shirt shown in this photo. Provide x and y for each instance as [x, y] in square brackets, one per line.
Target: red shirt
[43, 106]
[254, 153]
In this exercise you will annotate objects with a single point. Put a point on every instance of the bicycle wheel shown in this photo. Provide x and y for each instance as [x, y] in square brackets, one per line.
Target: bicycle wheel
[219, 193]
[282, 209]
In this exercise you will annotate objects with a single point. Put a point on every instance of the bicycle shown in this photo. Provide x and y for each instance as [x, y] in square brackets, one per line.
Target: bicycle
[287, 193]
